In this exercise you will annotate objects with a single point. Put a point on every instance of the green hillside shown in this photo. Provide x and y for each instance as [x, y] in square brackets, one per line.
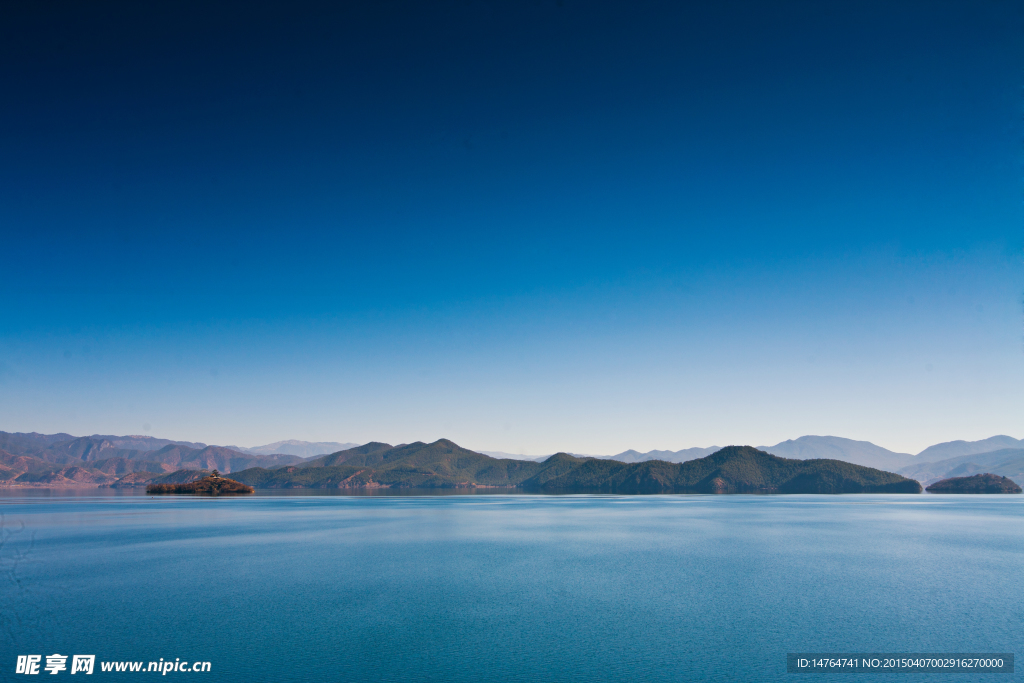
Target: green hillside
[338, 458]
[735, 469]
[443, 464]
[1007, 462]
[979, 483]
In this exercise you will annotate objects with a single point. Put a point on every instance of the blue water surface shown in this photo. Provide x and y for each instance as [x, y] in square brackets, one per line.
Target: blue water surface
[508, 587]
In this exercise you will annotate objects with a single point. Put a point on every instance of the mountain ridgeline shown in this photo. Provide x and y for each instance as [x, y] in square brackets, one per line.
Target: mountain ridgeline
[1007, 462]
[61, 460]
[444, 464]
[837, 448]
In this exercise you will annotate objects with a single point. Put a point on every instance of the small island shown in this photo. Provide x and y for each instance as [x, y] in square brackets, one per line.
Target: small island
[213, 485]
[979, 483]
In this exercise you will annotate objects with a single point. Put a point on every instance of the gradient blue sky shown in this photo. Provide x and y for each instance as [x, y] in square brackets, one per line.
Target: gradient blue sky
[526, 227]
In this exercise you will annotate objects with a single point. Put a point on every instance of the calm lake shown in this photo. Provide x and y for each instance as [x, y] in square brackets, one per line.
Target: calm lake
[508, 587]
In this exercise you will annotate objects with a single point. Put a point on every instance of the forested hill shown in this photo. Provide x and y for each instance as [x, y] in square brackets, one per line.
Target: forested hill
[444, 464]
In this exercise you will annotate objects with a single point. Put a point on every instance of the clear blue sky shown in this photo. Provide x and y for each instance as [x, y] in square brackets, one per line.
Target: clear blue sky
[526, 227]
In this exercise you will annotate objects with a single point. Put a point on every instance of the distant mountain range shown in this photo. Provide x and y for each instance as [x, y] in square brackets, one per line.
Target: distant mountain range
[514, 456]
[66, 460]
[933, 463]
[1002, 455]
[27, 444]
[955, 449]
[303, 449]
[444, 464]
[1007, 462]
[667, 456]
[805, 448]
[625, 456]
[837, 448]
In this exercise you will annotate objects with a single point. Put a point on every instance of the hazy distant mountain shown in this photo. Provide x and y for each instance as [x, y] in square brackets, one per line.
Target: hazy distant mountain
[216, 458]
[66, 448]
[837, 448]
[444, 464]
[86, 448]
[668, 456]
[18, 443]
[64, 460]
[514, 456]
[138, 442]
[953, 449]
[542, 458]
[303, 449]
[1007, 462]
